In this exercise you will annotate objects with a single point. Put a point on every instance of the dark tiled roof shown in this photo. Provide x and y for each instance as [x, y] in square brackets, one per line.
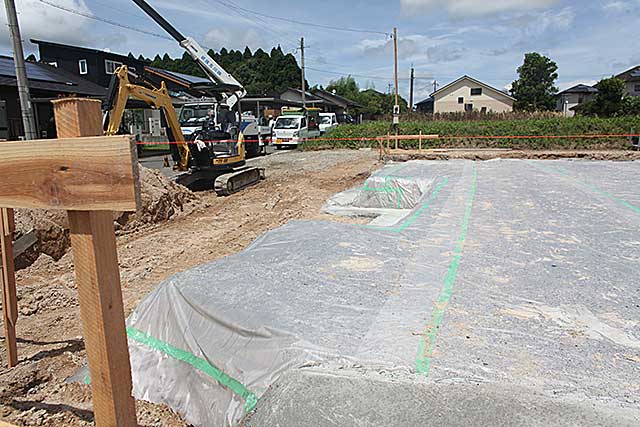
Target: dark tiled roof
[631, 74]
[580, 89]
[321, 93]
[425, 101]
[186, 79]
[48, 78]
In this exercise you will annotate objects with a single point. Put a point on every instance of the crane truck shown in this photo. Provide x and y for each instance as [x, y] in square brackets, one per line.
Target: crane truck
[214, 152]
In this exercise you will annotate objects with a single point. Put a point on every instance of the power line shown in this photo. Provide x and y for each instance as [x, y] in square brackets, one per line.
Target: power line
[312, 24]
[365, 76]
[106, 21]
[263, 25]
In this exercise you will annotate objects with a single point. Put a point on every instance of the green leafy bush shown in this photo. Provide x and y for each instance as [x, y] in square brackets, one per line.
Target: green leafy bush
[458, 134]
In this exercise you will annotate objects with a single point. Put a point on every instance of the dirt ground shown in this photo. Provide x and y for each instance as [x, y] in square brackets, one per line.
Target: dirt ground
[50, 342]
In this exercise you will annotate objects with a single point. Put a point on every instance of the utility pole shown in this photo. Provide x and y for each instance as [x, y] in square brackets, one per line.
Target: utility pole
[411, 90]
[26, 109]
[304, 101]
[395, 59]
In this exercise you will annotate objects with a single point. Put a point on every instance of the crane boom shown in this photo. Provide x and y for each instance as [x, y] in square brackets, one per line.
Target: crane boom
[218, 75]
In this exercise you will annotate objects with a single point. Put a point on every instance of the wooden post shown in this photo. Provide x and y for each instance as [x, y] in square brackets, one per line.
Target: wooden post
[396, 138]
[99, 292]
[388, 140]
[9, 297]
[420, 142]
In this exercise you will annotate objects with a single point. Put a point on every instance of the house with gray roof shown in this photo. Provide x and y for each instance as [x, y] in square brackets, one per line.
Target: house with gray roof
[569, 99]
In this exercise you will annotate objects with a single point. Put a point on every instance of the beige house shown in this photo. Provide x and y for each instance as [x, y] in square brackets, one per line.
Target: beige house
[632, 79]
[468, 94]
[570, 98]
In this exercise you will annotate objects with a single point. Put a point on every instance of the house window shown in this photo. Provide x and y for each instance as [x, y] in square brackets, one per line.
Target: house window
[636, 88]
[580, 99]
[468, 108]
[476, 91]
[82, 66]
[111, 66]
[483, 110]
[461, 100]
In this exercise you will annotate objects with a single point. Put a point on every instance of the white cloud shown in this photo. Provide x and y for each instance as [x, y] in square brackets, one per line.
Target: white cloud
[234, 38]
[40, 21]
[412, 47]
[471, 7]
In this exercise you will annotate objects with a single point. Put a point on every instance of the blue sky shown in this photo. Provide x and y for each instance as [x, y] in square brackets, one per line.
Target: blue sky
[443, 39]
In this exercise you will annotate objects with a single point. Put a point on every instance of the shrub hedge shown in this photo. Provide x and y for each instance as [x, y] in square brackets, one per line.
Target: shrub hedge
[342, 136]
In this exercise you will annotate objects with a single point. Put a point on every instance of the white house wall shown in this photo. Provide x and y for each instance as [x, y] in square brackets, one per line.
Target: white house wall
[447, 100]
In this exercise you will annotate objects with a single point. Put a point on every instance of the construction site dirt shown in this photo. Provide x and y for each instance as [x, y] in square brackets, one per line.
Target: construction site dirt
[50, 341]
[489, 320]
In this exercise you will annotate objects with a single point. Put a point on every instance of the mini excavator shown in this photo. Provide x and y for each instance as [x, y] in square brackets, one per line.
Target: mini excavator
[217, 151]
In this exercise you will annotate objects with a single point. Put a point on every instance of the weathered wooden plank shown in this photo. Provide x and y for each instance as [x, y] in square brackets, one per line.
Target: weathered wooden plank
[98, 280]
[9, 295]
[90, 173]
[101, 309]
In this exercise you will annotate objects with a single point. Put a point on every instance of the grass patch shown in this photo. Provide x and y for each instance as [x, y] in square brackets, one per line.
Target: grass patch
[345, 136]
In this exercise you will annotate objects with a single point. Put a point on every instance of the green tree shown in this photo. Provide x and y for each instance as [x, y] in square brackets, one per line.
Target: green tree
[608, 101]
[344, 86]
[535, 88]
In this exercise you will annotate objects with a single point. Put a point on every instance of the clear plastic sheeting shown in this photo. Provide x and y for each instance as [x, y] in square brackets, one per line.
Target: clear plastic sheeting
[210, 340]
[509, 272]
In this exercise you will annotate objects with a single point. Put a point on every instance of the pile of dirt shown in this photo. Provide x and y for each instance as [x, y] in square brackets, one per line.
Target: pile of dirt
[161, 200]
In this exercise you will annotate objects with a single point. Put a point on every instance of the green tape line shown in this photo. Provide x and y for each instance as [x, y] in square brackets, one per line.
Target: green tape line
[250, 399]
[417, 213]
[428, 340]
[589, 187]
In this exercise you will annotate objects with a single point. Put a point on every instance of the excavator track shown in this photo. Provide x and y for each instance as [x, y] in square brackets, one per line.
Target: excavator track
[237, 180]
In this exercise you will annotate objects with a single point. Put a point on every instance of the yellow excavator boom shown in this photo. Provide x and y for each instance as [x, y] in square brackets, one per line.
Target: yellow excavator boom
[156, 98]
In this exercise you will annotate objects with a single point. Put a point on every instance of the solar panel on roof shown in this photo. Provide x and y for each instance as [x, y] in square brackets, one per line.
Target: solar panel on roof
[34, 72]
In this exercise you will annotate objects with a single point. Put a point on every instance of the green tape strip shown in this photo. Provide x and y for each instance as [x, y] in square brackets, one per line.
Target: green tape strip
[428, 340]
[589, 187]
[250, 399]
[417, 212]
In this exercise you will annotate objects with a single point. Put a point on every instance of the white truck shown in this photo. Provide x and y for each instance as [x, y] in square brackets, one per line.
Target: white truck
[327, 121]
[292, 129]
[194, 115]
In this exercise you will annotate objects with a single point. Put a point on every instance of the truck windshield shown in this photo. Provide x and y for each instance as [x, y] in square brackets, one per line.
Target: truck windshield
[194, 114]
[287, 123]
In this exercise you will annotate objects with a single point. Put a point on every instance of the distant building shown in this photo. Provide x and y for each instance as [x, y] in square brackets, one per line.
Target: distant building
[295, 96]
[425, 106]
[94, 65]
[570, 98]
[336, 103]
[466, 95]
[632, 78]
[45, 84]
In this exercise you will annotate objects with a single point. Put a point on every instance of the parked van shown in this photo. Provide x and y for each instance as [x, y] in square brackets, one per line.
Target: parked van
[293, 127]
[327, 121]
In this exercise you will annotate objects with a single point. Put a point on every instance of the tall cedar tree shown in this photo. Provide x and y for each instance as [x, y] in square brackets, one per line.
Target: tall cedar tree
[259, 72]
[535, 89]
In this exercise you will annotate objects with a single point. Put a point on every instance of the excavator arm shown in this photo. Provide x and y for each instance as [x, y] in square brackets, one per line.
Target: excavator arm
[156, 98]
[234, 90]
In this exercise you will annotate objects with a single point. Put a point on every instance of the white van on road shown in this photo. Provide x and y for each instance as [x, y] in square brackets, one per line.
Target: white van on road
[292, 130]
[327, 121]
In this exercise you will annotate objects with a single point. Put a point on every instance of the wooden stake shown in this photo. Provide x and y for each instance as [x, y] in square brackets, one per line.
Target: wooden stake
[101, 308]
[388, 140]
[420, 142]
[9, 297]
[396, 138]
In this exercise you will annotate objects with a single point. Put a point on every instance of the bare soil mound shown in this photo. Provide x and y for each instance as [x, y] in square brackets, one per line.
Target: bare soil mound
[161, 199]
